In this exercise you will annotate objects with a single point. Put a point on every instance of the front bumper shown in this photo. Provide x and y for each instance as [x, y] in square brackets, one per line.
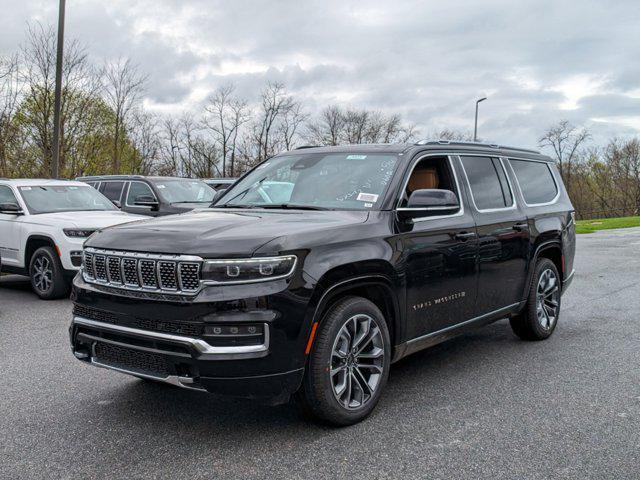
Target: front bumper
[179, 360]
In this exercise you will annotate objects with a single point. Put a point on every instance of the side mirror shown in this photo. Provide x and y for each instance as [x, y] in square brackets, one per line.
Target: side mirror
[146, 201]
[430, 200]
[10, 209]
[116, 203]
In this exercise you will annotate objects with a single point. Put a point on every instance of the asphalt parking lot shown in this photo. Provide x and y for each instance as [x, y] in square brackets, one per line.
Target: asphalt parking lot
[484, 405]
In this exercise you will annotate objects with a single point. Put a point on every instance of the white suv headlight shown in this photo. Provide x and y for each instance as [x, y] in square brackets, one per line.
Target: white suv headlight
[78, 232]
[248, 270]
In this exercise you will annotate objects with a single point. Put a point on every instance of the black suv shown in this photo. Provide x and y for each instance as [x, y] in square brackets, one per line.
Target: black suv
[152, 196]
[379, 251]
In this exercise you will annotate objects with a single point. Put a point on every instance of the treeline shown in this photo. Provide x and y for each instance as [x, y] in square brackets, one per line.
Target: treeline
[106, 129]
[602, 181]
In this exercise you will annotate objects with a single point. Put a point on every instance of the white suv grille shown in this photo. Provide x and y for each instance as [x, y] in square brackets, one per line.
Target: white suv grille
[141, 271]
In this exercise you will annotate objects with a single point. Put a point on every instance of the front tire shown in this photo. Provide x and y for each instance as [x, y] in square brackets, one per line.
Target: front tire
[349, 363]
[47, 275]
[539, 318]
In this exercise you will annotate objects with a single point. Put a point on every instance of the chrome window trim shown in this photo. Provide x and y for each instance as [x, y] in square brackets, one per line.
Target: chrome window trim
[126, 198]
[513, 205]
[203, 348]
[459, 213]
[553, 176]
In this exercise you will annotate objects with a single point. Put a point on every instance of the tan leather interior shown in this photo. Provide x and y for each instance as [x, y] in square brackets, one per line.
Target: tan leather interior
[426, 177]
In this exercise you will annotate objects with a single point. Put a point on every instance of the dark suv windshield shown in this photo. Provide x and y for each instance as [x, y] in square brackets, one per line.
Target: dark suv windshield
[332, 181]
[185, 191]
[64, 198]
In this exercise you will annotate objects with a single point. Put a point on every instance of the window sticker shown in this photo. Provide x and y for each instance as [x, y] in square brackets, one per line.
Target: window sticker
[367, 197]
[25, 189]
[160, 186]
[368, 205]
[356, 157]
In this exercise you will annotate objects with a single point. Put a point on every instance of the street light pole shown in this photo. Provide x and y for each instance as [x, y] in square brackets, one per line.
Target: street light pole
[475, 127]
[55, 164]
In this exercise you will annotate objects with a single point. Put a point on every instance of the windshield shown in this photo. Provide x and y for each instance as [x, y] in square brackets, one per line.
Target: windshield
[185, 191]
[315, 180]
[65, 198]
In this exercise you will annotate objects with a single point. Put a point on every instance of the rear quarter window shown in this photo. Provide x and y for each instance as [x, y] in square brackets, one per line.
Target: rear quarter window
[536, 181]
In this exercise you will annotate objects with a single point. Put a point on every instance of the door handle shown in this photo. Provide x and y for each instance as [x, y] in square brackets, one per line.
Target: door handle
[520, 226]
[464, 236]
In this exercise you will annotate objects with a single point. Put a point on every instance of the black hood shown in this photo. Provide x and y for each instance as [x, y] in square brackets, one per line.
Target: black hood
[216, 232]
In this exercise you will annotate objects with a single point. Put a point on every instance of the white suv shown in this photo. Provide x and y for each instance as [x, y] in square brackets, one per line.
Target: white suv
[43, 224]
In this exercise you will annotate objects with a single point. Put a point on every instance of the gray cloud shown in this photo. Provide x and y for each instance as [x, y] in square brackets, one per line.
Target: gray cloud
[537, 60]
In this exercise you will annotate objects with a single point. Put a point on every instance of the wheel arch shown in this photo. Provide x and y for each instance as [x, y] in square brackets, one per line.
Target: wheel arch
[33, 243]
[551, 249]
[376, 287]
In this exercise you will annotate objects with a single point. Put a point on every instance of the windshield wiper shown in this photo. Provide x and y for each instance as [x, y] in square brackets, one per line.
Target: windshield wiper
[192, 201]
[291, 206]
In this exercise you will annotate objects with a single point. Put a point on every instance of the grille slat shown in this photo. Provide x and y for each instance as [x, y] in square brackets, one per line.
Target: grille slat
[100, 267]
[147, 272]
[189, 275]
[147, 269]
[167, 275]
[87, 264]
[113, 270]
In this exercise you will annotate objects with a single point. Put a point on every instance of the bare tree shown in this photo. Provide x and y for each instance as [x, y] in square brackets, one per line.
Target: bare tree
[275, 104]
[565, 140]
[78, 94]
[123, 86]
[452, 135]
[9, 94]
[326, 130]
[224, 116]
[290, 125]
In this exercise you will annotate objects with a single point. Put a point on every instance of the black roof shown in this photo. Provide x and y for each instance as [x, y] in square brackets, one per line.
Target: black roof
[435, 145]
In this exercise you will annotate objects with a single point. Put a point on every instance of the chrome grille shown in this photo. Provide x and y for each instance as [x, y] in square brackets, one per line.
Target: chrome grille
[140, 271]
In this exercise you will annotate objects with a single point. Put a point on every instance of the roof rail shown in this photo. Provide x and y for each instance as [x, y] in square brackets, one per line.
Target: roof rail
[476, 144]
[115, 177]
[302, 147]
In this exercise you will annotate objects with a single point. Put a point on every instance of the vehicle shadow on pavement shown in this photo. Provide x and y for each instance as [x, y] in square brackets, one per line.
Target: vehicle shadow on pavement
[15, 282]
[416, 380]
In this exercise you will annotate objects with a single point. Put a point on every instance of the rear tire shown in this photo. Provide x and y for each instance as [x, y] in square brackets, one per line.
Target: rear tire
[539, 318]
[348, 365]
[47, 275]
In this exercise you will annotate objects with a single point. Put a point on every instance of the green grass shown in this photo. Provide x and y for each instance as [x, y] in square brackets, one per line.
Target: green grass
[593, 225]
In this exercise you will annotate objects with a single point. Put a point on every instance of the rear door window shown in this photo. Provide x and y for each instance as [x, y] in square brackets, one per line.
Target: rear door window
[488, 182]
[536, 181]
[112, 190]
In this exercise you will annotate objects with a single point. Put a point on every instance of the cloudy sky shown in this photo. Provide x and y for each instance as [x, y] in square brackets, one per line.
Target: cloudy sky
[538, 61]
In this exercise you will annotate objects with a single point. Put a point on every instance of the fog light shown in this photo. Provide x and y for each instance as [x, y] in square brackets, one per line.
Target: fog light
[234, 335]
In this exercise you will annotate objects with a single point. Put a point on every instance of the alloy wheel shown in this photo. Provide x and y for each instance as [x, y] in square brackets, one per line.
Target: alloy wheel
[356, 364]
[42, 273]
[547, 299]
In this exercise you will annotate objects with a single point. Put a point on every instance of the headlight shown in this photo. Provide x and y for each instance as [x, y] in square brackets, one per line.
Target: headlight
[77, 233]
[248, 270]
